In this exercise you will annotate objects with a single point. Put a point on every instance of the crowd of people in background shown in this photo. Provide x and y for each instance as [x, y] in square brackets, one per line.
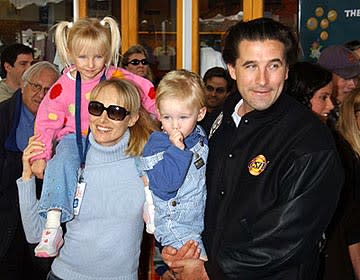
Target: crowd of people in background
[225, 171]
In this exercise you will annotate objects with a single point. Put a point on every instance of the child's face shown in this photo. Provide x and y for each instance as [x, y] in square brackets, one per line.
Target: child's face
[89, 62]
[176, 114]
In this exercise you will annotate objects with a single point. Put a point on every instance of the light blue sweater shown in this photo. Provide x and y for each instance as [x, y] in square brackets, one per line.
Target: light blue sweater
[103, 241]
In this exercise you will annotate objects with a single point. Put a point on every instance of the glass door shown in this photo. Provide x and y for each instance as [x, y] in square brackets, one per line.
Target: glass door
[157, 34]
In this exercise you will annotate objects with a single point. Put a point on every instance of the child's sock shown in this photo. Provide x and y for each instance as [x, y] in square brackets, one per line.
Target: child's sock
[53, 218]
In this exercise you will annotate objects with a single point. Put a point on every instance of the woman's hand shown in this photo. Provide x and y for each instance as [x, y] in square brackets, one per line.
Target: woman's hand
[38, 167]
[34, 148]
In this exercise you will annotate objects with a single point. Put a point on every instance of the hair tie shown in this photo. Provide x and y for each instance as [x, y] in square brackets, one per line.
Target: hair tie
[70, 25]
[103, 22]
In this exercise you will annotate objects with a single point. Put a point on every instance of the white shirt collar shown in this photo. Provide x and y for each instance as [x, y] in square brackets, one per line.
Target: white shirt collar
[235, 115]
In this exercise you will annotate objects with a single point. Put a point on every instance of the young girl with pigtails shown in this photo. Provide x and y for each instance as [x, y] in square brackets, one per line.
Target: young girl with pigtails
[90, 50]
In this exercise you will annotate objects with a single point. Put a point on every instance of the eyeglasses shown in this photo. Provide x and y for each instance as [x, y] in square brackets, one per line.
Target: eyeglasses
[36, 88]
[137, 62]
[114, 112]
[219, 90]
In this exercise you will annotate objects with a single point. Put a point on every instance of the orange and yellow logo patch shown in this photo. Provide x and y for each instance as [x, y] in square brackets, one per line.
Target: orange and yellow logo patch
[257, 165]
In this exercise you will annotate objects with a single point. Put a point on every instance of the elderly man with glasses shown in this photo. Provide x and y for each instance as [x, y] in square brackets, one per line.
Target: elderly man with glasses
[17, 116]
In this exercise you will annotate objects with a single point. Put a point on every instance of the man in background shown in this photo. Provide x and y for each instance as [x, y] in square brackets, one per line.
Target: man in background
[15, 59]
[218, 85]
[17, 116]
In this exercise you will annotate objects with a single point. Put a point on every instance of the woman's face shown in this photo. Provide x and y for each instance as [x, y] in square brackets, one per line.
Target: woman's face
[139, 69]
[108, 132]
[321, 102]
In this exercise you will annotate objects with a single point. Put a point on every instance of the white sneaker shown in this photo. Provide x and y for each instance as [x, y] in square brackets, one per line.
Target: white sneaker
[51, 242]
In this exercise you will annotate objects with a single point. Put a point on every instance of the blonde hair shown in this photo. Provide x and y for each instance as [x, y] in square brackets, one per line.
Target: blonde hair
[183, 85]
[347, 125]
[128, 93]
[89, 32]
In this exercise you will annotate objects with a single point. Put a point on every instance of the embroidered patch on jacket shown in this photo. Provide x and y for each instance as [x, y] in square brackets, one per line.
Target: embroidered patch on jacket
[257, 165]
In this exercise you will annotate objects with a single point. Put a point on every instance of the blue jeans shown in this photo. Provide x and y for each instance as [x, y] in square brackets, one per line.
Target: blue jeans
[60, 179]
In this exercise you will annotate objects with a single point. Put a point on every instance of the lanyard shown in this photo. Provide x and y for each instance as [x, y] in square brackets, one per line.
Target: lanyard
[82, 152]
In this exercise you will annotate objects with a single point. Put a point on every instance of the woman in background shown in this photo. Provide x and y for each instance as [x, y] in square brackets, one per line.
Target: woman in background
[311, 85]
[343, 248]
[136, 60]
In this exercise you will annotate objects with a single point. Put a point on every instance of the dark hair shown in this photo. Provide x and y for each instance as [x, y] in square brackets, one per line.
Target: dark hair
[352, 45]
[132, 50]
[304, 79]
[221, 73]
[260, 29]
[11, 52]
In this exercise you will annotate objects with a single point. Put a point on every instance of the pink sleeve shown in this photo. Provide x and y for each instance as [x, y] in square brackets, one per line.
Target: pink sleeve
[147, 90]
[50, 118]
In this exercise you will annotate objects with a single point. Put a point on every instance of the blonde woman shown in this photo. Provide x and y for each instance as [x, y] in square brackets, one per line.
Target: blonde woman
[90, 48]
[103, 240]
[343, 246]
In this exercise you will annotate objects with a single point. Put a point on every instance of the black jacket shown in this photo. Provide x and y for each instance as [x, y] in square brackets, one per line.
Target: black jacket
[10, 170]
[273, 184]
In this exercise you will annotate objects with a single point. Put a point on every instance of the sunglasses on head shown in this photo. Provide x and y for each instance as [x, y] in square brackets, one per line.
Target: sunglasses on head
[219, 90]
[114, 112]
[137, 62]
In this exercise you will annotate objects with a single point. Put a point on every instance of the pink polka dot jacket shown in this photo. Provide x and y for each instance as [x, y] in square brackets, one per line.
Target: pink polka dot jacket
[56, 115]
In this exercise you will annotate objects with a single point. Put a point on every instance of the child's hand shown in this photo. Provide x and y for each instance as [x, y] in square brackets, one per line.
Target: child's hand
[38, 167]
[177, 139]
[34, 148]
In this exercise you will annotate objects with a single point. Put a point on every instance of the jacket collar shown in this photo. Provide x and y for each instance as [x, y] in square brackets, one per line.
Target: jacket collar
[275, 111]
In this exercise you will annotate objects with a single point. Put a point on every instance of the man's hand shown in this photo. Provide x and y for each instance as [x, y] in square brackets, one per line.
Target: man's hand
[38, 167]
[189, 250]
[176, 259]
[168, 275]
[192, 269]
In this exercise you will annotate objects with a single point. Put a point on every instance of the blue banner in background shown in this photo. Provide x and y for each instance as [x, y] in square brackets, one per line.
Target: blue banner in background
[325, 23]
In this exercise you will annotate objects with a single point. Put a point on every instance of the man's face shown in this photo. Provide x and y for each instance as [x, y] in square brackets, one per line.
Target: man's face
[343, 87]
[14, 73]
[215, 92]
[31, 91]
[260, 72]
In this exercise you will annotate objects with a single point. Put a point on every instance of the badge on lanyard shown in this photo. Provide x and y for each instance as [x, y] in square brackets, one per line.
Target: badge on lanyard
[79, 194]
[199, 162]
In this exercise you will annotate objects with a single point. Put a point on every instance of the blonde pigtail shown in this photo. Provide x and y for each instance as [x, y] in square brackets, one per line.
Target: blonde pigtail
[115, 40]
[61, 34]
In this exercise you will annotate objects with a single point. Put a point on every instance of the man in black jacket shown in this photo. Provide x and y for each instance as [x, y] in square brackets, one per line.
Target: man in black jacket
[218, 86]
[17, 116]
[273, 173]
